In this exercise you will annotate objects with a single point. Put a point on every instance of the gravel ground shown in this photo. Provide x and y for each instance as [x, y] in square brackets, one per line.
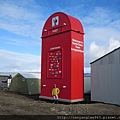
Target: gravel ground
[17, 104]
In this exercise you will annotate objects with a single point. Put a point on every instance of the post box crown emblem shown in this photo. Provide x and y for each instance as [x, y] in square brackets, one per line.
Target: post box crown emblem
[55, 21]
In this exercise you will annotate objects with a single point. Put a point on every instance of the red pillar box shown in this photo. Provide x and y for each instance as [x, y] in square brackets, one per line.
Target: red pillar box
[63, 58]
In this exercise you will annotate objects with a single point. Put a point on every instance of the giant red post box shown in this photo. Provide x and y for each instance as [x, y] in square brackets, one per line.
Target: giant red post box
[62, 60]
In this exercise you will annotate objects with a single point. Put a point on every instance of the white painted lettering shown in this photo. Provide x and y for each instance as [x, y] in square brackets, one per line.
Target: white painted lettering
[55, 30]
[53, 48]
[76, 45]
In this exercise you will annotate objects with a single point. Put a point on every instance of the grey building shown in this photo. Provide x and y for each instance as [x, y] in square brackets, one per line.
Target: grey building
[3, 81]
[105, 78]
[87, 83]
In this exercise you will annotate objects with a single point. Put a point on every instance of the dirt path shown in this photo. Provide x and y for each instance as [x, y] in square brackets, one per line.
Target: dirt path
[16, 104]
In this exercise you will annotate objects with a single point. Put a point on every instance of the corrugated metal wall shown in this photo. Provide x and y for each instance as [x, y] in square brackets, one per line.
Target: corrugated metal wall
[87, 84]
[3, 81]
[105, 78]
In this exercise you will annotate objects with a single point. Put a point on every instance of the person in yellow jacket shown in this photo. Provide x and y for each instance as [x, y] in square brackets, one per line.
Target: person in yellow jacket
[55, 92]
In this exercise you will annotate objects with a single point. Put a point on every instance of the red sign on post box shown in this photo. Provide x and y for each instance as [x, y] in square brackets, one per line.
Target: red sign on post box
[63, 58]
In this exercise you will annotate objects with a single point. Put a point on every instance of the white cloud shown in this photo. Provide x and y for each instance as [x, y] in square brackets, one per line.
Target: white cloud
[95, 51]
[101, 16]
[87, 70]
[99, 41]
[101, 34]
[26, 18]
[22, 20]
[113, 44]
[20, 42]
[13, 62]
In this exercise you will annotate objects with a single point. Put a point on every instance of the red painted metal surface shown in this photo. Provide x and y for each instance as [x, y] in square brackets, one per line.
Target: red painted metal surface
[63, 57]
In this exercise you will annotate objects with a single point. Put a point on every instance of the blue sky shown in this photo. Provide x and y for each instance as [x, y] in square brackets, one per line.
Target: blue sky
[21, 23]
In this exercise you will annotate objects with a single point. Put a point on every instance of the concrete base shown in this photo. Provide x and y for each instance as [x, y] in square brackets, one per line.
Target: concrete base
[62, 100]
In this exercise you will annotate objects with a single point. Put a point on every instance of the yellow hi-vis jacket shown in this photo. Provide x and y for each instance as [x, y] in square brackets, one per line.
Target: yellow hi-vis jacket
[55, 91]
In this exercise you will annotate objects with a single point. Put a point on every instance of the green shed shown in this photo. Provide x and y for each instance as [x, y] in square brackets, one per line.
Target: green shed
[25, 83]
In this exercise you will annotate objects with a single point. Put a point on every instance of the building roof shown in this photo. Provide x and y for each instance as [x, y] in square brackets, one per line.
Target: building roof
[24, 74]
[31, 75]
[105, 55]
[7, 74]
